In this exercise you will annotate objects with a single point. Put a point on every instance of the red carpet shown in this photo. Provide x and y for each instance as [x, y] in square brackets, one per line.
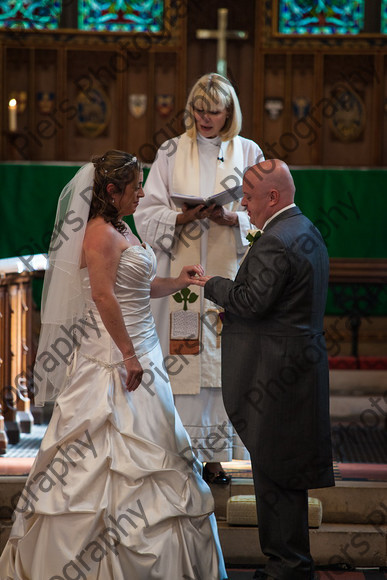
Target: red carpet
[361, 471]
[352, 575]
[360, 362]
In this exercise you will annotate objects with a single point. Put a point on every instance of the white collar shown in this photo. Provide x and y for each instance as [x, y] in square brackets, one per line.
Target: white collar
[215, 141]
[278, 212]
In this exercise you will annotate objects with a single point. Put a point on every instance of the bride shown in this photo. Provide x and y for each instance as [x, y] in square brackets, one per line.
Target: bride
[115, 491]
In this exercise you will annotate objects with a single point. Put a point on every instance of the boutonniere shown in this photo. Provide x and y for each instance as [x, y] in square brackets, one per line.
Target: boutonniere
[253, 235]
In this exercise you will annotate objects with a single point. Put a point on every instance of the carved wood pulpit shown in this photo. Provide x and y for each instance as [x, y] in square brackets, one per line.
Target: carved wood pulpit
[16, 311]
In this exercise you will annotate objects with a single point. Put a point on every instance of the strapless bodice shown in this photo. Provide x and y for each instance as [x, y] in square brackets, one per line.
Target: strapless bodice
[136, 270]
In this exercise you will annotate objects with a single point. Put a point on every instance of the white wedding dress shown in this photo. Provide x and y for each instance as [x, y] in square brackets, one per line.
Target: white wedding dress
[115, 492]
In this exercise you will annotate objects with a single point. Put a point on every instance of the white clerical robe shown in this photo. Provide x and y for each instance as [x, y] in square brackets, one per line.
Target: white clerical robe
[203, 414]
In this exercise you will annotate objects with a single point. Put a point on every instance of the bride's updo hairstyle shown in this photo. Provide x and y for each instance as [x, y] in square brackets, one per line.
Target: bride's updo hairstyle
[119, 168]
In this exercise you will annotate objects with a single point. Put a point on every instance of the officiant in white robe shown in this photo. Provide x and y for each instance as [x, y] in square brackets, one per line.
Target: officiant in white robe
[208, 158]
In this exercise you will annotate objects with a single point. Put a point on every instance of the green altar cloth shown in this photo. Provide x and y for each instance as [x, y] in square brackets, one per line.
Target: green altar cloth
[347, 205]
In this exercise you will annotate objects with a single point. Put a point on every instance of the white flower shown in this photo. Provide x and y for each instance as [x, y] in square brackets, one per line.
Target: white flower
[253, 235]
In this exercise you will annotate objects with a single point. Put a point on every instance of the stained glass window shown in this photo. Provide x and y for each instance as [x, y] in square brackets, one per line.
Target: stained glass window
[321, 16]
[383, 28]
[123, 15]
[30, 14]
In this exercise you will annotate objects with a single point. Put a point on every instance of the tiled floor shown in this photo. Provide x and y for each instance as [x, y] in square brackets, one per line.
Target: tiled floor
[29, 443]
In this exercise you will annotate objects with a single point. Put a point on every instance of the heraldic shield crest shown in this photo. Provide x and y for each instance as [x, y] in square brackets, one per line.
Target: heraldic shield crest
[137, 105]
[164, 104]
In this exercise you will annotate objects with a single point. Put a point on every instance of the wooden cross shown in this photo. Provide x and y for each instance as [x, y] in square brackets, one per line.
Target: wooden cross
[222, 34]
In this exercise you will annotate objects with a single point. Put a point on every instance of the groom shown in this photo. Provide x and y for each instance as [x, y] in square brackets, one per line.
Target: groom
[274, 365]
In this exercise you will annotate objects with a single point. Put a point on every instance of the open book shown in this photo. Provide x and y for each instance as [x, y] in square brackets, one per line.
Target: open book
[221, 198]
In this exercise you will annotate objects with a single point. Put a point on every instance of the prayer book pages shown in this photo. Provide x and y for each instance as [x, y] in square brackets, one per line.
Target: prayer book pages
[221, 198]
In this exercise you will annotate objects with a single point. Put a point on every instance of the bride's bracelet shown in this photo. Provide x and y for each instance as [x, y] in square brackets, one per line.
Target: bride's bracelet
[129, 357]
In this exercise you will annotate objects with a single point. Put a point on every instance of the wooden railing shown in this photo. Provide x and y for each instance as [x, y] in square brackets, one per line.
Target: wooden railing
[358, 271]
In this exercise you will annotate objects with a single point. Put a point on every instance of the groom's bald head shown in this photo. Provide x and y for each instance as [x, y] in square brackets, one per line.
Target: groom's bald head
[268, 187]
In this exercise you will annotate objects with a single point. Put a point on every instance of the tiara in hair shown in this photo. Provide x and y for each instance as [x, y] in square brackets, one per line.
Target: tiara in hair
[131, 162]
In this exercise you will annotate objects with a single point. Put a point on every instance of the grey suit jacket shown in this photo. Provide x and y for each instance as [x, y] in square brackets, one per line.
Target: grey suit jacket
[274, 360]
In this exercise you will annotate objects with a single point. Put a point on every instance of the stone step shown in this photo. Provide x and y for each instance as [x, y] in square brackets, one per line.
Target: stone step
[360, 502]
[352, 544]
[10, 489]
[5, 529]
[368, 411]
[357, 382]
[352, 502]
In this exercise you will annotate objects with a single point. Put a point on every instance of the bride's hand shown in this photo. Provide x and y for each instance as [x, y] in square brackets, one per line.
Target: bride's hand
[189, 274]
[135, 372]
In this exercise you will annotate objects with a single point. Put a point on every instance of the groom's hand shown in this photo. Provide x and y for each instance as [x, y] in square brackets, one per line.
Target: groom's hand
[200, 280]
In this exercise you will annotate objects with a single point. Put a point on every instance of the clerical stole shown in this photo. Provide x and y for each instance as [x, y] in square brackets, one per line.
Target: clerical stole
[195, 323]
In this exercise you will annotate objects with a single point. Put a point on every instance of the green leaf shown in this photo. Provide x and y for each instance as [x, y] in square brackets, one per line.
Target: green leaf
[177, 297]
[185, 292]
[193, 297]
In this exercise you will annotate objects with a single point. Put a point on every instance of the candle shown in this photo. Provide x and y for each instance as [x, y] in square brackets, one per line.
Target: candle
[12, 114]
